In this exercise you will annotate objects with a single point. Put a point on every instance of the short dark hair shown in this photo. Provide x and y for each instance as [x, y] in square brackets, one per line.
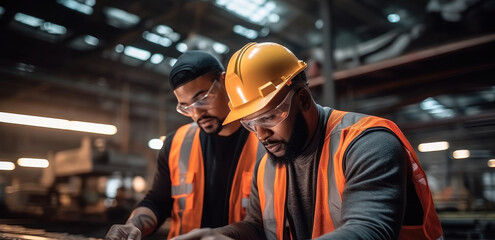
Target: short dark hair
[300, 79]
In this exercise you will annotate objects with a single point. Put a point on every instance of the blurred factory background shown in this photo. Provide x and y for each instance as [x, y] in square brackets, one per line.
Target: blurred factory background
[428, 65]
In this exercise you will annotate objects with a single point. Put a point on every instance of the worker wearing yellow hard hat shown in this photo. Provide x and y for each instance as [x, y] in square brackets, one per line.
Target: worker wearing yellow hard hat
[328, 173]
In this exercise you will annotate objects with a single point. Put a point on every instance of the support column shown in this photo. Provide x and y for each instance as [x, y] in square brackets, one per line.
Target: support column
[329, 98]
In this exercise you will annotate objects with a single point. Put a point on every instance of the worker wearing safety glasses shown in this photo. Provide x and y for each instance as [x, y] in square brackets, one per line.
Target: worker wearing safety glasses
[328, 174]
[204, 171]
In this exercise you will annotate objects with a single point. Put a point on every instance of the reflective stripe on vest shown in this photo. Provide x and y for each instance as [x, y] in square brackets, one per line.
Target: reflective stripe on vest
[342, 129]
[187, 177]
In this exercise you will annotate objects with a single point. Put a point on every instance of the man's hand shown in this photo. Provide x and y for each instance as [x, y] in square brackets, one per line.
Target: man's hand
[120, 232]
[202, 234]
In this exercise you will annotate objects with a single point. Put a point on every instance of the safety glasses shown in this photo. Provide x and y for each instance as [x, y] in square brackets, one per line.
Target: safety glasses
[203, 103]
[271, 118]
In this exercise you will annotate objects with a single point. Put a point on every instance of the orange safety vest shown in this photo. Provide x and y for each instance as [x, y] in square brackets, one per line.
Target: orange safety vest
[342, 128]
[187, 177]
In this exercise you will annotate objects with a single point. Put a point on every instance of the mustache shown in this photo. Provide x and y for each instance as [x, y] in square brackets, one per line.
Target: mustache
[205, 118]
[268, 142]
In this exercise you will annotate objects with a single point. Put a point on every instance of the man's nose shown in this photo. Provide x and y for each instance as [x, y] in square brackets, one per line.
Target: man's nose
[262, 133]
[197, 112]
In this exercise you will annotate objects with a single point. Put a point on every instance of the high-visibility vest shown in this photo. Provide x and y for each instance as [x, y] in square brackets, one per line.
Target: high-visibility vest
[187, 177]
[341, 130]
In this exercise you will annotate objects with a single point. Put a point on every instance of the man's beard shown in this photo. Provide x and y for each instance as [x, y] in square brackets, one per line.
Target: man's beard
[216, 127]
[296, 142]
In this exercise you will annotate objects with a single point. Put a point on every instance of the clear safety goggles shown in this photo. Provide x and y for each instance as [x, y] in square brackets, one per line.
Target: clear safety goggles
[271, 118]
[202, 103]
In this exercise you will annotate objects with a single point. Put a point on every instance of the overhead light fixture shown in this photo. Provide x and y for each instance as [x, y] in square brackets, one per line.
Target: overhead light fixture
[157, 39]
[491, 163]
[53, 28]
[461, 154]
[433, 146]
[120, 18]
[119, 48]
[319, 24]
[172, 61]
[181, 47]
[256, 11]
[84, 43]
[245, 32]
[33, 162]
[90, 40]
[393, 18]
[155, 143]
[156, 58]
[44, 26]
[168, 32]
[435, 108]
[28, 19]
[264, 32]
[220, 48]
[85, 7]
[7, 166]
[137, 53]
[57, 123]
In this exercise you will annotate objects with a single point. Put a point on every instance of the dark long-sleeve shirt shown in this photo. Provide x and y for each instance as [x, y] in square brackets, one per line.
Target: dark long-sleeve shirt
[220, 157]
[373, 204]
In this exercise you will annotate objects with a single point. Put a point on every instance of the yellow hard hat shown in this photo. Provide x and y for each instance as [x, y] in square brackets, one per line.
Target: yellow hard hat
[255, 74]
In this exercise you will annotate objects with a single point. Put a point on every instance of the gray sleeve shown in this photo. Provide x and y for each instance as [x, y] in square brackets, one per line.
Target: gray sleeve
[374, 195]
[252, 225]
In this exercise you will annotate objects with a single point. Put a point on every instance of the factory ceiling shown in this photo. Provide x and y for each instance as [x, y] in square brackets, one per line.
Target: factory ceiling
[426, 64]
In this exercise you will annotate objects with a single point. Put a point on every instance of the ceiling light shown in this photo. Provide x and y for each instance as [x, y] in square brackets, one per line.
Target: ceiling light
[90, 40]
[155, 143]
[28, 20]
[8, 166]
[461, 154]
[220, 48]
[156, 58]
[436, 109]
[172, 61]
[433, 146]
[120, 18]
[264, 32]
[274, 18]
[181, 47]
[137, 53]
[393, 18]
[85, 8]
[255, 11]
[167, 32]
[57, 123]
[163, 29]
[157, 39]
[53, 28]
[89, 2]
[35, 22]
[491, 163]
[2, 10]
[33, 162]
[245, 32]
[319, 24]
[119, 48]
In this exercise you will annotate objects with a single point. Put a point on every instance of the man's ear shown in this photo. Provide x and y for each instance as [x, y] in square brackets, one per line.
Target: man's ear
[305, 99]
[221, 79]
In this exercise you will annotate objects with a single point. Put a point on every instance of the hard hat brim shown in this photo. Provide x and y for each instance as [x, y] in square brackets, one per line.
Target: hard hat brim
[251, 107]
